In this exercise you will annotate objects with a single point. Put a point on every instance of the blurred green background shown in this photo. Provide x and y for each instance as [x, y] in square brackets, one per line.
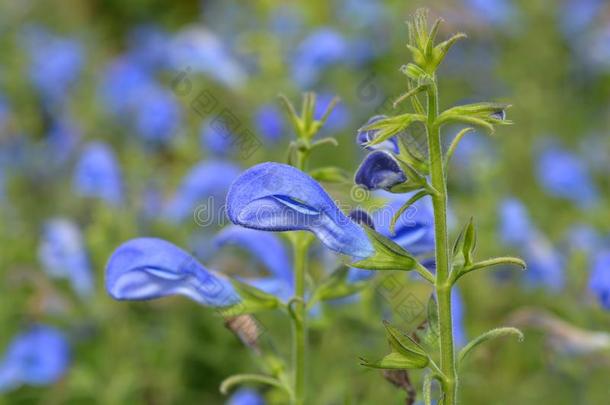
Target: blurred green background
[549, 59]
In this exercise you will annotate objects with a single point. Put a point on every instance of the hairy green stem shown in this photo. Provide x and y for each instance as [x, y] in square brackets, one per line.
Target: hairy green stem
[299, 346]
[442, 282]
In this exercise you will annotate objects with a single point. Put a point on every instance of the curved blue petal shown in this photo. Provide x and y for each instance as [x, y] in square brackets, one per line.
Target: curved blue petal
[599, 281]
[149, 268]
[264, 246]
[38, 356]
[364, 136]
[97, 174]
[206, 183]
[63, 254]
[379, 170]
[246, 396]
[278, 197]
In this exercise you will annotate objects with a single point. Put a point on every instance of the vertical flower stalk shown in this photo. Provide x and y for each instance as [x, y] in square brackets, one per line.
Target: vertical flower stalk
[300, 244]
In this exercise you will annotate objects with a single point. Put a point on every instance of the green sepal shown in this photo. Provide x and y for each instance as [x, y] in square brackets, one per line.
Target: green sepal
[388, 127]
[336, 286]
[405, 345]
[484, 115]
[252, 300]
[489, 335]
[413, 72]
[388, 255]
[464, 246]
[330, 174]
[395, 361]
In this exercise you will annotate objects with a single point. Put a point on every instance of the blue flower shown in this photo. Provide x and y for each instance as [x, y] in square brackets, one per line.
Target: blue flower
[39, 356]
[149, 268]
[123, 85]
[62, 138]
[278, 197]
[157, 115]
[62, 254]
[564, 175]
[205, 186]
[321, 49]
[495, 12]
[201, 51]
[149, 45]
[216, 138]
[97, 174]
[545, 265]
[457, 317]
[515, 225]
[578, 15]
[380, 171]
[55, 63]
[269, 122]
[338, 119]
[599, 281]
[246, 396]
[264, 246]
[364, 136]
[584, 238]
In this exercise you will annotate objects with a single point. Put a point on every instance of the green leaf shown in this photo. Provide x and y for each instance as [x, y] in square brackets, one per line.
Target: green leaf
[470, 243]
[253, 300]
[330, 174]
[395, 361]
[388, 255]
[404, 344]
[336, 286]
[496, 261]
[492, 334]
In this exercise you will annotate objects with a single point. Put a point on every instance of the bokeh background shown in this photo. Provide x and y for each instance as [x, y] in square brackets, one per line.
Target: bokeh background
[109, 114]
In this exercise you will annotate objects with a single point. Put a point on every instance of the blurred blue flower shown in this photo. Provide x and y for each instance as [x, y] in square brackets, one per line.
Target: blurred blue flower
[149, 268]
[269, 122]
[457, 314]
[246, 396]
[545, 265]
[599, 281]
[122, 86]
[516, 228]
[379, 171]
[55, 63]
[266, 248]
[157, 115]
[39, 356]
[495, 12]
[148, 44]
[203, 188]
[563, 174]
[200, 51]
[362, 14]
[278, 197]
[62, 139]
[62, 254]
[97, 174]
[216, 139]
[364, 136]
[338, 119]
[5, 112]
[583, 238]
[576, 16]
[318, 51]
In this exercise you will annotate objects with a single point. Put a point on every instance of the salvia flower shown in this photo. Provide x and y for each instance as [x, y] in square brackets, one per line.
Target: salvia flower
[149, 268]
[157, 115]
[278, 197]
[515, 225]
[380, 171]
[62, 254]
[204, 188]
[122, 85]
[246, 396]
[564, 175]
[98, 174]
[39, 356]
[216, 139]
[545, 265]
[599, 281]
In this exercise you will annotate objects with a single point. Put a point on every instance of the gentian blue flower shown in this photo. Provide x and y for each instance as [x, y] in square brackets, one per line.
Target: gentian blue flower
[246, 396]
[364, 136]
[516, 228]
[599, 281]
[269, 122]
[149, 268]
[39, 356]
[98, 174]
[55, 63]
[269, 251]
[203, 52]
[565, 175]
[379, 171]
[318, 51]
[207, 182]
[62, 254]
[157, 115]
[278, 197]
[216, 139]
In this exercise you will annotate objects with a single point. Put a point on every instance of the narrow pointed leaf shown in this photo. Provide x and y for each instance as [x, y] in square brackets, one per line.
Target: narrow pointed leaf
[492, 334]
[404, 344]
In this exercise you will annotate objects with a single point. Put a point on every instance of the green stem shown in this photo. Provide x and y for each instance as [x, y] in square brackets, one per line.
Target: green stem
[442, 284]
[299, 336]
